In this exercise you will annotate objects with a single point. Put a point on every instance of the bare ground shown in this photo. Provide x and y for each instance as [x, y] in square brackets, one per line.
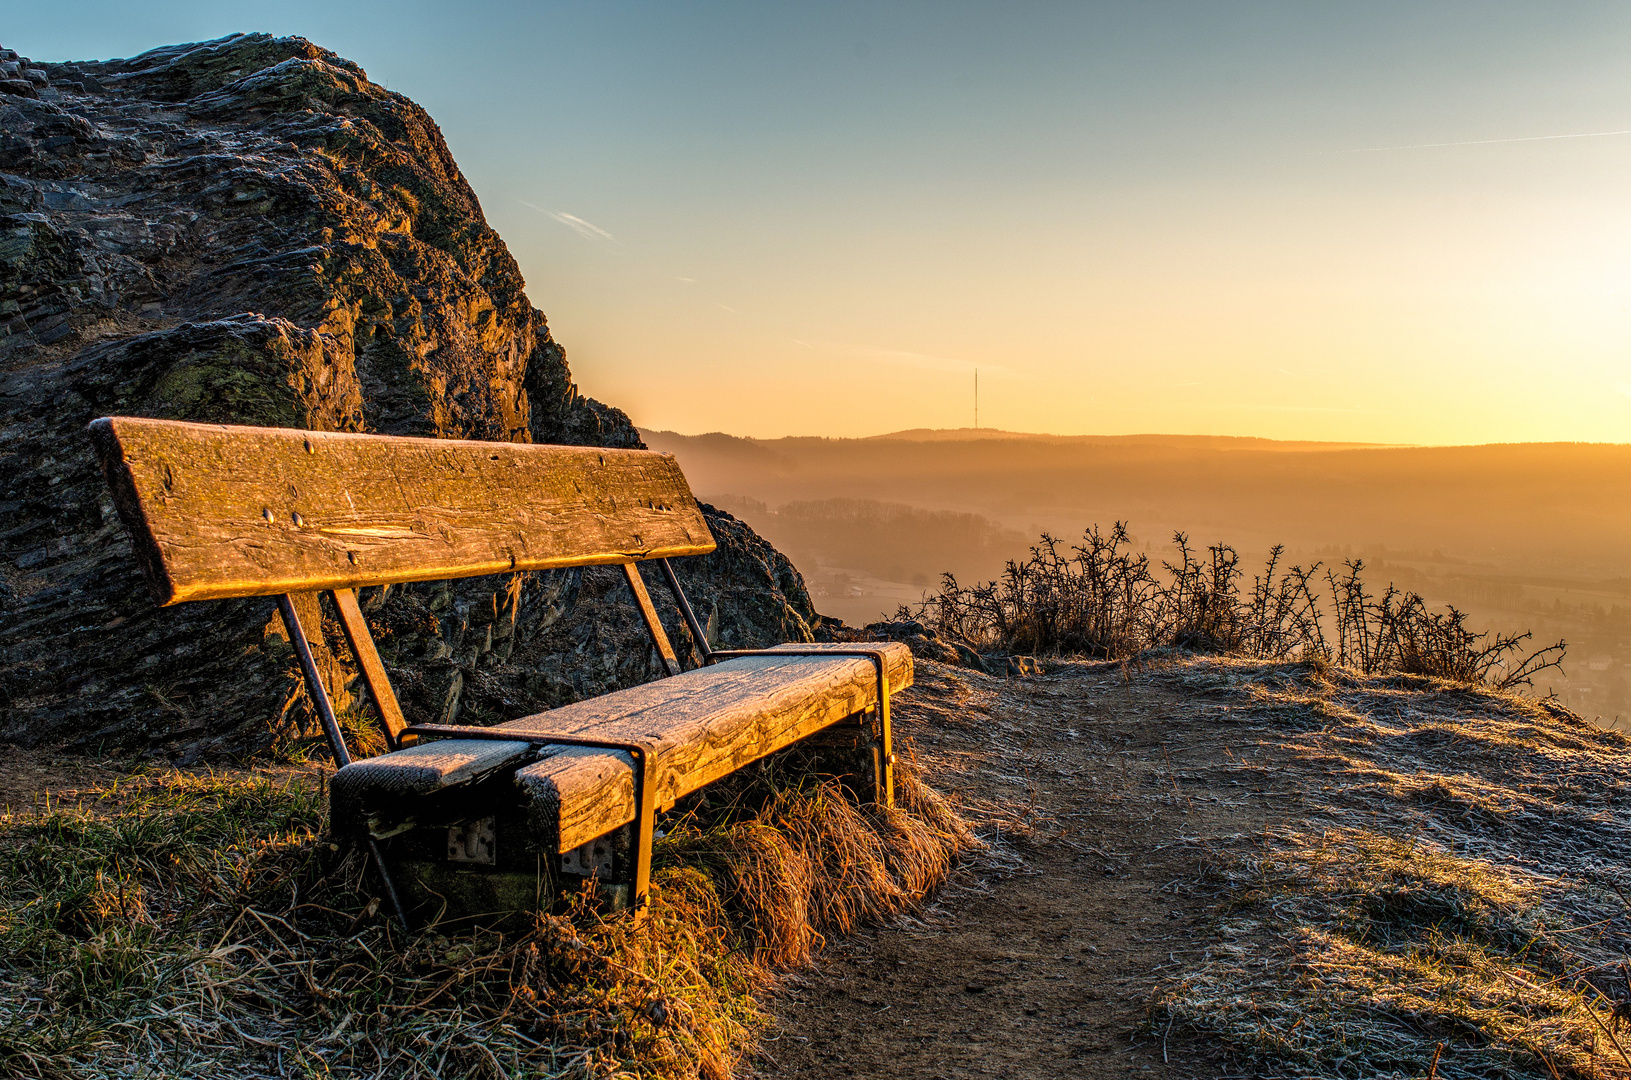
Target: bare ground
[1039, 959]
[27, 777]
[1214, 868]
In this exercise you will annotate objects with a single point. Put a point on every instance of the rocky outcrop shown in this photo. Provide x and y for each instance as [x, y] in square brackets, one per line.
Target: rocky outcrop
[248, 230]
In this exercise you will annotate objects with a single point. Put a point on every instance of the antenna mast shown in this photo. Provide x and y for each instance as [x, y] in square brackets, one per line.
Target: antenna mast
[976, 399]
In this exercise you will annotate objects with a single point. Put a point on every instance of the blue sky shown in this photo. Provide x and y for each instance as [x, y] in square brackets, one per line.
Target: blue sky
[1227, 218]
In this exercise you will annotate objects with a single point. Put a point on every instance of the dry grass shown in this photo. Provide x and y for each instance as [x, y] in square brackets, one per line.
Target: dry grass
[809, 861]
[202, 925]
[1448, 900]
[1101, 598]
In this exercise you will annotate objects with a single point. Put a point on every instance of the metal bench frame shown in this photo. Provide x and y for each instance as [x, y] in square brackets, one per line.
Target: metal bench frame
[398, 733]
[219, 511]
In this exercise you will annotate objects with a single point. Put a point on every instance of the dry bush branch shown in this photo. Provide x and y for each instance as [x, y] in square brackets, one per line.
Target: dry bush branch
[1103, 600]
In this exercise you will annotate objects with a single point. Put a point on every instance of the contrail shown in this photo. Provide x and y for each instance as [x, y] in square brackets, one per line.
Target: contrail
[1489, 142]
[587, 229]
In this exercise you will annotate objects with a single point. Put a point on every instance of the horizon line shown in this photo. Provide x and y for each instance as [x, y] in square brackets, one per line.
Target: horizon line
[984, 433]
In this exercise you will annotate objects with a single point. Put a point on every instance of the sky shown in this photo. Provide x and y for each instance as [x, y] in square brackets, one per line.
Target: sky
[1378, 221]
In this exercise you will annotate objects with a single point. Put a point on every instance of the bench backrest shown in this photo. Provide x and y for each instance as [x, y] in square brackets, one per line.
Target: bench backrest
[217, 511]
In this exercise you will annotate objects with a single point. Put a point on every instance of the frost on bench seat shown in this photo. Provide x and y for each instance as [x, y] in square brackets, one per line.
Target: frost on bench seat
[704, 724]
[393, 785]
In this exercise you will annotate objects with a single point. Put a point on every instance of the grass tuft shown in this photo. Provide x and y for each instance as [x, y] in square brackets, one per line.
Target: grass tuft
[182, 924]
[1394, 948]
[1449, 902]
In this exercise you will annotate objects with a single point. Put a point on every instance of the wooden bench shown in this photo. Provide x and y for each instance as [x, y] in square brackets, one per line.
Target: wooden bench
[490, 820]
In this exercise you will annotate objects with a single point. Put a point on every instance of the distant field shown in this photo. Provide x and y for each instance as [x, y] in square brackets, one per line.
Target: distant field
[1520, 535]
[1549, 508]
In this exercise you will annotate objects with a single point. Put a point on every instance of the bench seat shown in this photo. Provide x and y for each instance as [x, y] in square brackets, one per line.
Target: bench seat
[703, 725]
[475, 824]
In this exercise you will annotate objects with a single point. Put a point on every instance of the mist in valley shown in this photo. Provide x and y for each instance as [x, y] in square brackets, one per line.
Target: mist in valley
[1520, 536]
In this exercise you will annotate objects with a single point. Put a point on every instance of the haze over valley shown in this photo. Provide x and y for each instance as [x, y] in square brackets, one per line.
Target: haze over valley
[1521, 536]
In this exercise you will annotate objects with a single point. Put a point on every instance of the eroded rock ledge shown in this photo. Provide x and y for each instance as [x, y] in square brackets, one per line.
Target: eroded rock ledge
[248, 230]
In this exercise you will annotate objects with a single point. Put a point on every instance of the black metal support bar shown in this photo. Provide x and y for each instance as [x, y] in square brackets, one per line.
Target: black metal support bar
[698, 635]
[886, 740]
[314, 682]
[331, 728]
[645, 788]
[397, 909]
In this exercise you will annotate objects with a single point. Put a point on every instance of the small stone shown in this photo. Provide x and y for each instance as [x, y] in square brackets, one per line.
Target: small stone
[1021, 667]
[974, 988]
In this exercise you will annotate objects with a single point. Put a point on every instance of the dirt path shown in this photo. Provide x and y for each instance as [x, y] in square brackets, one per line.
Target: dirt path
[1038, 961]
[26, 777]
[1313, 871]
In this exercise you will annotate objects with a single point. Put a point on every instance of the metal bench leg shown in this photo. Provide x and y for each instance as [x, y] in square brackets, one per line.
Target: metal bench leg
[331, 728]
[645, 832]
[884, 746]
[699, 636]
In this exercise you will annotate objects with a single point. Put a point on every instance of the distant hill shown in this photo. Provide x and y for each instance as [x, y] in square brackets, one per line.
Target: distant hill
[1537, 507]
[1208, 442]
[1529, 536]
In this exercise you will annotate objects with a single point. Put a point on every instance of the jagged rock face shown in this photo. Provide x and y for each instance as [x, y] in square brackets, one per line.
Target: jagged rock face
[249, 231]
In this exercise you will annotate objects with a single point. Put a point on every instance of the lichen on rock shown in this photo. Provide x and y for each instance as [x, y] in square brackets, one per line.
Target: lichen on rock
[248, 230]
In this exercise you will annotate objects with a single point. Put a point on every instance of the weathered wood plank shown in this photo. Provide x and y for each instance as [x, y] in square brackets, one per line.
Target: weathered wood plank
[404, 777]
[218, 511]
[654, 625]
[705, 724]
[368, 662]
[571, 790]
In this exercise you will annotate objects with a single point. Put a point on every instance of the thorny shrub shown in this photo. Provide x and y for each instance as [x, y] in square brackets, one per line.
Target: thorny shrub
[1101, 598]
